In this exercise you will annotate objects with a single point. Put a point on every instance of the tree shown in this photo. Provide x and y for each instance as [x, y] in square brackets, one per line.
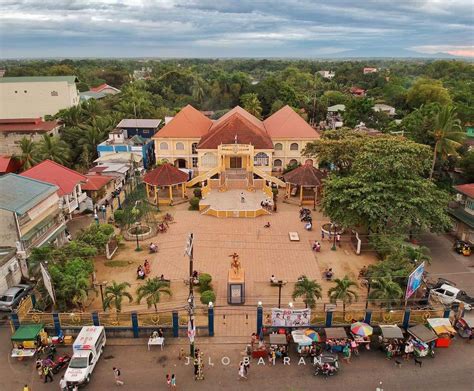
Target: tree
[96, 235]
[114, 294]
[385, 290]
[309, 290]
[28, 156]
[358, 110]
[425, 91]
[152, 291]
[53, 148]
[251, 103]
[467, 165]
[342, 291]
[71, 117]
[448, 135]
[419, 123]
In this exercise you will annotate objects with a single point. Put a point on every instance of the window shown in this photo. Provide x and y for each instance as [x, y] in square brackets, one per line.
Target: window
[146, 131]
[54, 93]
[179, 146]
[278, 146]
[195, 162]
[260, 159]
[293, 147]
[470, 204]
[293, 162]
[25, 91]
[309, 161]
[163, 146]
[209, 159]
[16, 92]
[194, 148]
[277, 163]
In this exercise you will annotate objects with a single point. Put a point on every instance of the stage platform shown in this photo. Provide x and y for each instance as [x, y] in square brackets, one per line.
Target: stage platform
[228, 203]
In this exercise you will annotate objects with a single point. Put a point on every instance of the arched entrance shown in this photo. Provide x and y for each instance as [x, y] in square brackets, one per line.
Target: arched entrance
[180, 163]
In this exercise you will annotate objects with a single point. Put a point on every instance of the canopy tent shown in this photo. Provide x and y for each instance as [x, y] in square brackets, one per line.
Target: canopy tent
[391, 332]
[278, 339]
[28, 332]
[441, 326]
[422, 333]
[335, 333]
[168, 176]
[300, 338]
[305, 177]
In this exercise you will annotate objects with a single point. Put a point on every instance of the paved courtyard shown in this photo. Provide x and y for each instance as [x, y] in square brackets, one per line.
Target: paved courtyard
[231, 199]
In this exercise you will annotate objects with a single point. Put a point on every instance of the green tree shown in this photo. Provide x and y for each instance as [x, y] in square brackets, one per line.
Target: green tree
[343, 291]
[448, 135]
[467, 165]
[96, 235]
[71, 117]
[425, 91]
[152, 291]
[251, 103]
[114, 295]
[53, 148]
[28, 155]
[309, 290]
[385, 290]
[358, 110]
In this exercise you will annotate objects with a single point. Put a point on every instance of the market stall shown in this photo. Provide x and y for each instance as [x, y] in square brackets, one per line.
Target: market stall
[27, 339]
[336, 339]
[465, 326]
[392, 340]
[278, 345]
[303, 341]
[443, 329]
[423, 340]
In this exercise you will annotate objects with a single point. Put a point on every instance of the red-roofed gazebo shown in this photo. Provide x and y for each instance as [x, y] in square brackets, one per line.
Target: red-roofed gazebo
[165, 177]
[307, 179]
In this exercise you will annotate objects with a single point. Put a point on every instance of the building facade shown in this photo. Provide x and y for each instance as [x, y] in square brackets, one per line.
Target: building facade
[31, 97]
[462, 213]
[12, 268]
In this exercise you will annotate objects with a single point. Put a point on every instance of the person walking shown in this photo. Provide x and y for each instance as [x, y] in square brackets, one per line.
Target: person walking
[168, 380]
[47, 374]
[242, 371]
[63, 384]
[26, 388]
[346, 353]
[117, 374]
[173, 381]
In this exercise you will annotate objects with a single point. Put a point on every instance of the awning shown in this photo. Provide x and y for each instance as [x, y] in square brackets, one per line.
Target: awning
[278, 339]
[27, 332]
[441, 326]
[391, 331]
[300, 338]
[335, 333]
[423, 333]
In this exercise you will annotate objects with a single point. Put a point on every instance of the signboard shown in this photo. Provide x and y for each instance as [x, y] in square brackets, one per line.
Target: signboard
[48, 284]
[290, 317]
[329, 307]
[414, 280]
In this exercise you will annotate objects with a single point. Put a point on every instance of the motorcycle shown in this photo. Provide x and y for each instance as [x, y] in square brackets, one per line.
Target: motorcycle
[153, 248]
[60, 363]
[326, 364]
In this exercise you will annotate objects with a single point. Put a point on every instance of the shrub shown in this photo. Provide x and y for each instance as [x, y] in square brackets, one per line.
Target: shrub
[119, 216]
[194, 203]
[208, 296]
[197, 192]
[205, 282]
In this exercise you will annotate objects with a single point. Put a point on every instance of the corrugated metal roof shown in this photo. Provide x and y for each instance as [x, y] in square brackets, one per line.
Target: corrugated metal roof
[139, 123]
[19, 194]
[38, 79]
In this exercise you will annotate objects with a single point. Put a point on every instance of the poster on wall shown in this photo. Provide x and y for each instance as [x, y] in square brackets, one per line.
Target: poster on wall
[414, 280]
[290, 317]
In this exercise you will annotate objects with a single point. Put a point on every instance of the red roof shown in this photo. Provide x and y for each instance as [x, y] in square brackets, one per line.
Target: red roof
[239, 124]
[189, 122]
[286, 123]
[56, 174]
[27, 125]
[357, 90]
[305, 175]
[165, 175]
[9, 164]
[467, 189]
[96, 182]
[102, 87]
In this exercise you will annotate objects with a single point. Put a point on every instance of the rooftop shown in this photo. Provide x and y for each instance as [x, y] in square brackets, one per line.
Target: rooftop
[189, 122]
[52, 172]
[96, 182]
[103, 87]
[26, 125]
[305, 175]
[19, 194]
[467, 189]
[39, 79]
[287, 123]
[6, 253]
[8, 164]
[336, 108]
[165, 175]
[139, 123]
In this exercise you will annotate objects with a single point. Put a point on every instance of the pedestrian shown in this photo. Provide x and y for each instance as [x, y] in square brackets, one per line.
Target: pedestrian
[242, 197]
[173, 381]
[346, 353]
[117, 374]
[63, 384]
[246, 367]
[322, 234]
[181, 354]
[168, 380]
[242, 371]
[26, 388]
[338, 240]
[47, 374]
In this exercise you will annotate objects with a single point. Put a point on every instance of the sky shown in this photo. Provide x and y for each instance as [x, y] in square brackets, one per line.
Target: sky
[236, 28]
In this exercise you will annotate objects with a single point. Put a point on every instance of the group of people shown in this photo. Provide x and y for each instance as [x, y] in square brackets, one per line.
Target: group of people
[45, 369]
[267, 204]
[143, 271]
[328, 274]
[397, 347]
[153, 247]
[316, 246]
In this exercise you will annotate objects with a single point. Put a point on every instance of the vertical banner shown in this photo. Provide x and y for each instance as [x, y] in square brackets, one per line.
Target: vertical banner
[414, 280]
[48, 284]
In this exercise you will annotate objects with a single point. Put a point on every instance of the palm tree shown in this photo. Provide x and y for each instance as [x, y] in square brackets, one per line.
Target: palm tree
[342, 291]
[448, 135]
[386, 290]
[28, 156]
[114, 295]
[197, 91]
[80, 292]
[53, 148]
[72, 116]
[310, 290]
[251, 103]
[418, 254]
[152, 291]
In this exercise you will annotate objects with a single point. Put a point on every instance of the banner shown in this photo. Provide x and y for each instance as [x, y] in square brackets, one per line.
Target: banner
[414, 280]
[191, 331]
[290, 317]
[48, 284]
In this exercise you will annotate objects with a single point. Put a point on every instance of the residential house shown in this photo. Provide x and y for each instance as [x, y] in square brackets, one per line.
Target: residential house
[356, 91]
[13, 130]
[327, 74]
[142, 74]
[462, 213]
[380, 107]
[145, 128]
[368, 70]
[99, 188]
[72, 198]
[30, 214]
[99, 92]
[86, 95]
[31, 97]
[12, 267]
[334, 118]
[9, 164]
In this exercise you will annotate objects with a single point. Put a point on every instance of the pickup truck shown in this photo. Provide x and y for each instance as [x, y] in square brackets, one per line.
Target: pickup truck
[448, 295]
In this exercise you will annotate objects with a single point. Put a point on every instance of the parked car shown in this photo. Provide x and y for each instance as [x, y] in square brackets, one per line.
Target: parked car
[13, 295]
[448, 295]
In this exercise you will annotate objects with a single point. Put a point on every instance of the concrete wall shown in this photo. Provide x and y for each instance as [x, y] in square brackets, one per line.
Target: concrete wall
[9, 140]
[8, 229]
[8, 277]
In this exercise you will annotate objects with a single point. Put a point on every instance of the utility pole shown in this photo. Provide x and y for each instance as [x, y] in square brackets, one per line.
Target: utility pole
[189, 251]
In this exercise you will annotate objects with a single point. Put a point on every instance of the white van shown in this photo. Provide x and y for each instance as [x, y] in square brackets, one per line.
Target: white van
[87, 350]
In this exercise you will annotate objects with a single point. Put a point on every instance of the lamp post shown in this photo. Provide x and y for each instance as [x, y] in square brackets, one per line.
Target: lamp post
[280, 284]
[101, 285]
[333, 248]
[137, 227]
[314, 199]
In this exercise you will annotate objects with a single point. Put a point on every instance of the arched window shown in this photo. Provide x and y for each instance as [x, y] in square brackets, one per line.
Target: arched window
[163, 145]
[260, 159]
[293, 162]
[194, 148]
[179, 146]
[278, 146]
[277, 163]
[309, 161]
[209, 159]
[293, 147]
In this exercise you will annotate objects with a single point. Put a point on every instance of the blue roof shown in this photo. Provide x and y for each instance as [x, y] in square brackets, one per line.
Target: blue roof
[19, 194]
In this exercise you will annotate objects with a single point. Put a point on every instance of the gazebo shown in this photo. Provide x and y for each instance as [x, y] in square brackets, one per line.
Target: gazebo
[161, 182]
[305, 180]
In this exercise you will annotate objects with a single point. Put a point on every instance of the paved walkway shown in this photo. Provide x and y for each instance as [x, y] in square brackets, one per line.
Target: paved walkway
[231, 199]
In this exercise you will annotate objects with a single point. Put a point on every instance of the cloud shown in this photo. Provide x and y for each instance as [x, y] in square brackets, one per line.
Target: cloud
[210, 28]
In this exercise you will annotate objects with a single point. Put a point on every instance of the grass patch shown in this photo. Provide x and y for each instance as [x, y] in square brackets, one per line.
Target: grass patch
[116, 263]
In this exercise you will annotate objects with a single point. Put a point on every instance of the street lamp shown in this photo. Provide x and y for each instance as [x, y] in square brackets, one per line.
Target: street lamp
[280, 284]
[137, 227]
[101, 285]
[333, 248]
[290, 304]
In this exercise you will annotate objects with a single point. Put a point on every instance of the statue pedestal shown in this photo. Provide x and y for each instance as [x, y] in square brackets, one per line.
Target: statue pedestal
[236, 287]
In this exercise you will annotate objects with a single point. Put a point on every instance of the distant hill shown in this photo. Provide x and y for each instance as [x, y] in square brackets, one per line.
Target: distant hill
[390, 53]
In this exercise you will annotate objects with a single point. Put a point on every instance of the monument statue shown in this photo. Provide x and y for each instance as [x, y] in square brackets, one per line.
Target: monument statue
[235, 264]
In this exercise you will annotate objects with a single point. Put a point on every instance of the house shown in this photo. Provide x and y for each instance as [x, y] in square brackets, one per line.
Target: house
[368, 70]
[106, 89]
[13, 130]
[327, 74]
[236, 141]
[380, 107]
[12, 267]
[145, 128]
[72, 198]
[31, 97]
[30, 215]
[2, 72]
[99, 188]
[356, 91]
[142, 74]
[9, 164]
[334, 118]
[462, 213]
[86, 95]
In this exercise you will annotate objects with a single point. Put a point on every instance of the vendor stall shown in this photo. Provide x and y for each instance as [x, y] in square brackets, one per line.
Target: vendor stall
[392, 340]
[423, 340]
[465, 326]
[279, 345]
[443, 329]
[336, 339]
[26, 340]
[303, 342]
